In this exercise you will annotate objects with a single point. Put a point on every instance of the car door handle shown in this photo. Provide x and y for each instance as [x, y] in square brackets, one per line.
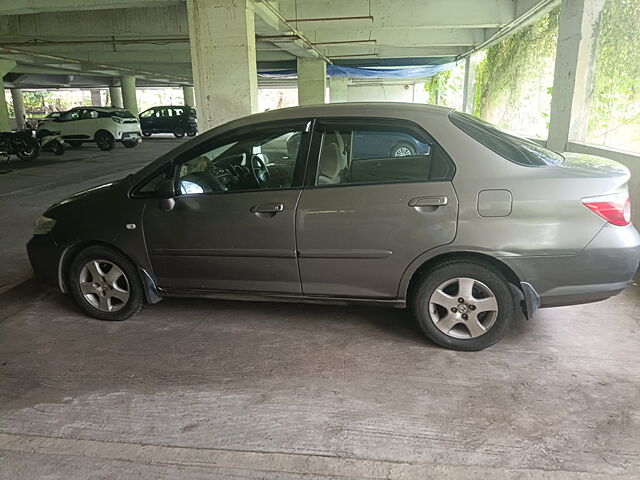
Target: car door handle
[428, 201]
[267, 208]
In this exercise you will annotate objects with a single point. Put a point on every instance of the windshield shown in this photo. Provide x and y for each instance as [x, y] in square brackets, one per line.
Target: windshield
[122, 114]
[513, 148]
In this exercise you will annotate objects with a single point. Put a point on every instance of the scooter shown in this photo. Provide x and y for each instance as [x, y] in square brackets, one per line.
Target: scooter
[53, 142]
[19, 143]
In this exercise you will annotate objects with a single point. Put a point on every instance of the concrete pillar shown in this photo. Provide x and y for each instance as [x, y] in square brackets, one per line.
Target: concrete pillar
[573, 72]
[5, 67]
[96, 97]
[18, 107]
[129, 99]
[338, 87]
[223, 58]
[115, 95]
[189, 95]
[469, 87]
[312, 81]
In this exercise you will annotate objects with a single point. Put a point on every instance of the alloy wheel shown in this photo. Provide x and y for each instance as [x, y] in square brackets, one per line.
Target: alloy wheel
[104, 285]
[463, 308]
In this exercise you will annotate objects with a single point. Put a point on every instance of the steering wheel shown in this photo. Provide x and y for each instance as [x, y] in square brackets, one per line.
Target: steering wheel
[259, 169]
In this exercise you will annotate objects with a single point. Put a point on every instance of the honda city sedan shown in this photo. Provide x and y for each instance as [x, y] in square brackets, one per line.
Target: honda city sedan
[464, 224]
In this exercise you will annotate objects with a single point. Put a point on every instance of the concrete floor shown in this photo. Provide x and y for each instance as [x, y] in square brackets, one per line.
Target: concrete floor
[216, 389]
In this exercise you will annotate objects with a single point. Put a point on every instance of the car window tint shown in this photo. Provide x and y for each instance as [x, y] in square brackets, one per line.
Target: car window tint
[254, 161]
[70, 115]
[513, 148]
[379, 155]
[177, 112]
[146, 114]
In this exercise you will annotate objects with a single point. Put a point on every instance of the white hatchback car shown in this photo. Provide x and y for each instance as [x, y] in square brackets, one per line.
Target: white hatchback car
[103, 125]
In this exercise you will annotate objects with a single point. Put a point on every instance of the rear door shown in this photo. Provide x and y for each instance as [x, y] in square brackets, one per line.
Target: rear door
[362, 219]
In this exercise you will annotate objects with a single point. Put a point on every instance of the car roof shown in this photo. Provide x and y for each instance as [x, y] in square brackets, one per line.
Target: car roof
[101, 109]
[351, 109]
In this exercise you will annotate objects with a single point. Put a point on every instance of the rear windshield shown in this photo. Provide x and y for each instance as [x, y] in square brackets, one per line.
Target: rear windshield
[511, 147]
[121, 114]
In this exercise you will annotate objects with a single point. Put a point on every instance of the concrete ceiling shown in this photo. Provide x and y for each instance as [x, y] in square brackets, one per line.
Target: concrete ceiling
[94, 39]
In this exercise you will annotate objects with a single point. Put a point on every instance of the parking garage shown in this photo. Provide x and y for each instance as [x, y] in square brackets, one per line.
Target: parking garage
[222, 388]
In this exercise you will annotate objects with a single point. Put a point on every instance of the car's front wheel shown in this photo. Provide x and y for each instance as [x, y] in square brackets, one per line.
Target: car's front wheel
[105, 284]
[146, 134]
[463, 305]
[105, 141]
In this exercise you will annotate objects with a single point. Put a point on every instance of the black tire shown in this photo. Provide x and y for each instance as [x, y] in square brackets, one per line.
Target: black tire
[105, 140]
[75, 143]
[178, 132]
[488, 277]
[30, 150]
[130, 143]
[125, 310]
[402, 149]
[146, 134]
[192, 132]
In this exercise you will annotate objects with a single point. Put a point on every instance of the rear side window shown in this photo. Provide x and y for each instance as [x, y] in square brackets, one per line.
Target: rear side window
[513, 148]
[371, 153]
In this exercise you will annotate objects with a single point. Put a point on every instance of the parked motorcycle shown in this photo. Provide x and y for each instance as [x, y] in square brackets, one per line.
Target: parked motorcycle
[52, 142]
[19, 143]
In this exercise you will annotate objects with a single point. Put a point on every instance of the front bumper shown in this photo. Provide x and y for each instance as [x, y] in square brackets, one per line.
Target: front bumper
[130, 136]
[603, 269]
[44, 255]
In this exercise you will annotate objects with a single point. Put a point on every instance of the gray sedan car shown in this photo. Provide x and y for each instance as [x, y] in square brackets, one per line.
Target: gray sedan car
[469, 226]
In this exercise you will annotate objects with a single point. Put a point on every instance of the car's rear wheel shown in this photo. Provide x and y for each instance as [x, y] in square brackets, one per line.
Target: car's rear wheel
[463, 305]
[146, 134]
[130, 143]
[105, 141]
[178, 132]
[402, 149]
[192, 131]
[105, 284]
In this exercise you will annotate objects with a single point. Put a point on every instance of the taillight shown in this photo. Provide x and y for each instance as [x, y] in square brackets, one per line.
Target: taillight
[614, 208]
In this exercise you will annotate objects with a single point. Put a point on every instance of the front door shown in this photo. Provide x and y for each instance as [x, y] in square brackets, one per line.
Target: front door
[367, 212]
[232, 227]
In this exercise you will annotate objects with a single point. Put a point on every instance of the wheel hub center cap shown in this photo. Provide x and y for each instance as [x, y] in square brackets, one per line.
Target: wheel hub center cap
[462, 308]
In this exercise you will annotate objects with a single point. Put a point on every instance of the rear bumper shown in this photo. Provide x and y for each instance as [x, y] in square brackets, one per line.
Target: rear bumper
[603, 269]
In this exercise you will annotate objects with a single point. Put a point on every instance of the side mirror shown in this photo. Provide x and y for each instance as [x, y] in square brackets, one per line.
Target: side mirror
[166, 193]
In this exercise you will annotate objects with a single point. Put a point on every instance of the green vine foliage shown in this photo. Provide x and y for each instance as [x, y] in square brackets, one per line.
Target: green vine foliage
[513, 82]
[614, 105]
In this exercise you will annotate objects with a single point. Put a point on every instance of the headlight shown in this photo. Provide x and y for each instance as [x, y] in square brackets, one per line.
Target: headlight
[116, 119]
[43, 225]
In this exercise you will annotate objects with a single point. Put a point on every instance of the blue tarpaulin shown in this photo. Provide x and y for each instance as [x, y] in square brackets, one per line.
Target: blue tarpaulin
[357, 72]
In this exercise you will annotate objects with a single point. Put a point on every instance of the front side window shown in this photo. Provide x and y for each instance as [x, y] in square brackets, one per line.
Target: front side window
[513, 148]
[368, 154]
[70, 115]
[253, 161]
[146, 114]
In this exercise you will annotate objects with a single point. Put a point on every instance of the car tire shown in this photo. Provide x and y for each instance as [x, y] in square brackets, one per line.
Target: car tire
[178, 132]
[74, 143]
[105, 284]
[105, 140]
[146, 134]
[192, 132]
[130, 143]
[402, 149]
[437, 307]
